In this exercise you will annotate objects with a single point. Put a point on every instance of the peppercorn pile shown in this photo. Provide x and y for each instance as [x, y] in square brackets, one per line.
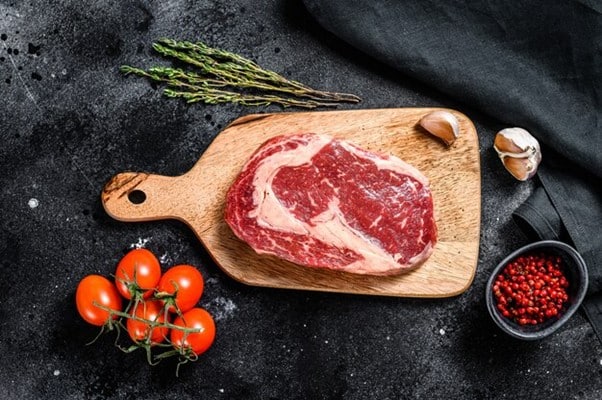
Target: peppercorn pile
[532, 289]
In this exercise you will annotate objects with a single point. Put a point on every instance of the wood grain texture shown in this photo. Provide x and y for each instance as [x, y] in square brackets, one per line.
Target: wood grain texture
[198, 199]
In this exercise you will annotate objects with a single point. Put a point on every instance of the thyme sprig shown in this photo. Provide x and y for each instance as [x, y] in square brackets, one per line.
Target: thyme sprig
[219, 76]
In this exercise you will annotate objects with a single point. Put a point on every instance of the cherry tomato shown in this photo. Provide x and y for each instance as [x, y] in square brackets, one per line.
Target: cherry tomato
[186, 282]
[138, 271]
[151, 310]
[197, 342]
[96, 289]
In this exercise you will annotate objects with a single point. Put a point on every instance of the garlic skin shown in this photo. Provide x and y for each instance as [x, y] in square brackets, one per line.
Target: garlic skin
[519, 151]
[441, 124]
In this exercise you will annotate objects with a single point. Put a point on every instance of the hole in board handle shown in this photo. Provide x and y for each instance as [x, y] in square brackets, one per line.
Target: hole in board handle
[137, 196]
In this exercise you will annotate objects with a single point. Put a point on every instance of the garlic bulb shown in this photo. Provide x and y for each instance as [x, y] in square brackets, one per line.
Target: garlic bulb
[519, 151]
[442, 124]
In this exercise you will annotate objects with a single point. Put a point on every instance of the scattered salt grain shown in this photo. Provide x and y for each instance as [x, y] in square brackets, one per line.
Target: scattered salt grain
[140, 244]
[33, 203]
[442, 331]
[56, 372]
[222, 308]
[165, 259]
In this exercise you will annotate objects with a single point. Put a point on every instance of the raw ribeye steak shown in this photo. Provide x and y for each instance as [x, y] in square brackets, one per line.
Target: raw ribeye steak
[322, 202]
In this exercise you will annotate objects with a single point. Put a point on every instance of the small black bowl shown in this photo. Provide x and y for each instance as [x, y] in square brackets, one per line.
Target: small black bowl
[575, 272]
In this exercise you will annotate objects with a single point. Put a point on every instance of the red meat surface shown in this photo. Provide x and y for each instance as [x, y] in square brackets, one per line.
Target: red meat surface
[326, 203]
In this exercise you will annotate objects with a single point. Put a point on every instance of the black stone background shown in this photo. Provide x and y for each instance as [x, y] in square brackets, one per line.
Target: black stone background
[69, 121]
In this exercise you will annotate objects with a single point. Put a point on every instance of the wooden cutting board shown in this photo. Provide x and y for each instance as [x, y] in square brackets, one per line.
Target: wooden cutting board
[198, 197]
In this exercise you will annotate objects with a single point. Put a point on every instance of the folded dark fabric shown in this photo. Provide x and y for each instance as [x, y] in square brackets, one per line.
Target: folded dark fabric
[538, 218]
[532, 64]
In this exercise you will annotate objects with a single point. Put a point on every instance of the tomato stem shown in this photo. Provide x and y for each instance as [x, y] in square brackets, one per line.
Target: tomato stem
[185, 354]
[152, 324]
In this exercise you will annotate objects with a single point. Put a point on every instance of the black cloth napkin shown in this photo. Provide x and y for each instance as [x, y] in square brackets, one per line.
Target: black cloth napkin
[532, 64]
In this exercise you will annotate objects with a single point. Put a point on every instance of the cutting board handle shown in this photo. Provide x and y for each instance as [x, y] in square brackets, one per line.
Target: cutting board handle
[139, 196]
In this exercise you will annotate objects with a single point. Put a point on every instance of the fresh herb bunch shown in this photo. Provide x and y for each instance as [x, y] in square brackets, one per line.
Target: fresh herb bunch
[219, 76]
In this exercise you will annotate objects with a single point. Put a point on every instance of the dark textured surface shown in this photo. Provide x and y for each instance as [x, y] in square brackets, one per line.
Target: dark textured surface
[69, 121]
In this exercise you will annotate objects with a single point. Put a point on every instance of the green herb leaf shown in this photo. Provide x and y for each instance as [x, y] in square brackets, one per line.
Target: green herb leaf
[219, 76]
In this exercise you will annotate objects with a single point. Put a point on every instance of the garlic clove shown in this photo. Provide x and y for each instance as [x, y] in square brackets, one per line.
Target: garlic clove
[520, 168]
[441, 124]
[503, 143]
[519, 151]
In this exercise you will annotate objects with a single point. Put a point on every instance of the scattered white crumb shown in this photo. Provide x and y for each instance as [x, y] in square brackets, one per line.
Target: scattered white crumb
[33, 203]
[326, 341]
[220, 390]
[140, 244]
[388, 337]
[64, 71]
[56, 372]
[441, 331]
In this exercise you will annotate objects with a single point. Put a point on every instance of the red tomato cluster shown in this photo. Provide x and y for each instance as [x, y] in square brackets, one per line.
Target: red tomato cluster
[531, 289]
[160, 307]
